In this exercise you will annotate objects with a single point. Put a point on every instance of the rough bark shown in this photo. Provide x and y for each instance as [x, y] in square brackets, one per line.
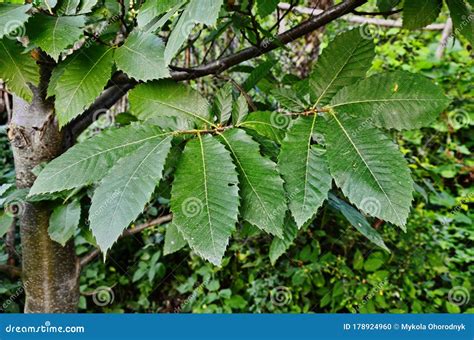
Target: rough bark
[50, 272]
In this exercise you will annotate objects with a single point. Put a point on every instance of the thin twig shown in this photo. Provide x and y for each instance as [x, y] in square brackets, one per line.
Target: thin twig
[86, 259]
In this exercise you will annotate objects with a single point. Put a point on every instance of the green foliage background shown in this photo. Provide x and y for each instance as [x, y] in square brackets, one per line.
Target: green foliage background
[331, 267]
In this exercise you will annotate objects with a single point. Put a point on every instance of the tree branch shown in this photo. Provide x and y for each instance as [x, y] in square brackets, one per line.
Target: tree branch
[114, 93]
[127, 232]
[12, 271]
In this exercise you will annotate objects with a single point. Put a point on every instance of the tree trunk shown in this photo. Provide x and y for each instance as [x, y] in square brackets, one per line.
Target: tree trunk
[50, 271]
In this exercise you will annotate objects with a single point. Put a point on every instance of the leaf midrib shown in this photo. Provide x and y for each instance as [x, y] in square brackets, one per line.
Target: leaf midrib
[384, 100]
[206, 194]
[177, 109]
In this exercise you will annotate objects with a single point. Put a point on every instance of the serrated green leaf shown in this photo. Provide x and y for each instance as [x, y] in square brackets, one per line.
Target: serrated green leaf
[419, 13]
[223, 103]
[271, 125]
[57, 73]
[266, 7]
[368, 167]
[123, 192]
[261, 187]
[196, 12]
[280, 245]
[64, 221]
[170, 99]
[55, 34]
[240, 110]
[86, 6]
[89, 161]
[357, 220]
[152, 9]
[346, 60]
[18, 69]
[13, 19]
[463, 19]
[68, 7]
[204, 197]
[387, 5]
[48, 4]
[174, 241]
[141, 57]
[154, 26]
[306, 176]
[82, 81]
[6, 221]
[257, 74]
[288, 98]
[395, 100]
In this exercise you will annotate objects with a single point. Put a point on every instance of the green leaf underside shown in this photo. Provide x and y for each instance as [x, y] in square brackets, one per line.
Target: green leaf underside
[64, 221]
[463, 19]
[55, 34]
[240, 110]
[68, 7]
[82, 81]
[12, 17]
[357, 220]
[155, 25]
[419, 13]
[280, 245]
[306, 176]
[268, 124]
[123, 192]
[153, 8]
[204, 197]
[17, 69]
[266, 7]
[398, 100]
[141, 57]
[86, 6]
[58, 71]
[368, 167]
[223, 103]
[196, 12]
[174, 241]
[6, 221]
[261, 187]
[89, 161]
[289, 100]
[387, 5]
[343, 62]
[167, 98]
